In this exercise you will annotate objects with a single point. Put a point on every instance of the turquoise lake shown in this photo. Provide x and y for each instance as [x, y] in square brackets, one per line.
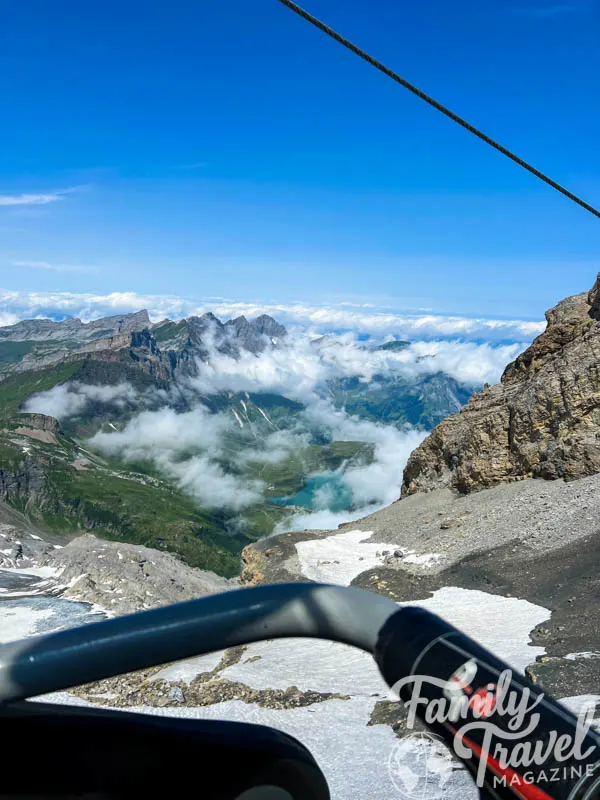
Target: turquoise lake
[323, 491]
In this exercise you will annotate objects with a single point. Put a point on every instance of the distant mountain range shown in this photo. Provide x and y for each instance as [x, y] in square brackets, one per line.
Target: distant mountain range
[165, 350]
[50, 472]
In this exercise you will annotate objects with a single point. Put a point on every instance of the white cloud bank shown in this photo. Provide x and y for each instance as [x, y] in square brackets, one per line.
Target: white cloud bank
[299, 368]
[71, 399]
[194, 448]
[186, 447]
[364, 319]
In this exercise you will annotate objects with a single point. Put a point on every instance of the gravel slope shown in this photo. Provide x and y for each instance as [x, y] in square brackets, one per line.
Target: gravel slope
[536, 540]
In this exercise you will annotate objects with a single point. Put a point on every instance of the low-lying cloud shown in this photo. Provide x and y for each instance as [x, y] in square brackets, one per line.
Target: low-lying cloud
[300, 368]
[210, 456]
[72, 399]
[188, 448]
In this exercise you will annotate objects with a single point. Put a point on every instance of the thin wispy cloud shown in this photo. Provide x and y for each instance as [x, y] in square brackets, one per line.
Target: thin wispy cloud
[28, 199]
[55, 267]
[550, 11]
[41, 199]
[194, 165]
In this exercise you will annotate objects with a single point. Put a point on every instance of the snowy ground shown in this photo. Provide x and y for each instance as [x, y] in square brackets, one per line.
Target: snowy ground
[359, 761]
[343, 556]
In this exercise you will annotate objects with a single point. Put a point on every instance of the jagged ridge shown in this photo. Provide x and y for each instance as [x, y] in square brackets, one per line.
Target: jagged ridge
[165, 350]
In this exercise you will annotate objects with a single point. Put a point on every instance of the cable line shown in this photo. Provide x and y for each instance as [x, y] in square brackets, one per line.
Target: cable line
[430, 100]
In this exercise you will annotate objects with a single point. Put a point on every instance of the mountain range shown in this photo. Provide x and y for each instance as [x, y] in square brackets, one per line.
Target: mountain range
[66, 386]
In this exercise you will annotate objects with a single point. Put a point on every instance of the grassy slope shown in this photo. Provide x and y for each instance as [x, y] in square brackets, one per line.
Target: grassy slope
[16, 388]
[13, 352]
[113, 501]
[130, 502]
[124, 506]
[122, 501]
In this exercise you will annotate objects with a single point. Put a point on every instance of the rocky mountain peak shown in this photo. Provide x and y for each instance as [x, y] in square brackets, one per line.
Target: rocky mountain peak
[164, 351]
[128, 323]
[209, 317]
[267, 326]
[541, 420]
[252, 335]
[566, 322]
[238, 323]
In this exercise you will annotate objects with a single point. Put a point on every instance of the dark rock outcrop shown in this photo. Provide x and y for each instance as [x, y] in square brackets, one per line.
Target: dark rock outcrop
[254, 336]
[39, 422]
[267, 326]
[594, 299]
[542, 420]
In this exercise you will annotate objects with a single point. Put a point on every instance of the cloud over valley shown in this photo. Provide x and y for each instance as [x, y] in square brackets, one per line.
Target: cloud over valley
[223, 434]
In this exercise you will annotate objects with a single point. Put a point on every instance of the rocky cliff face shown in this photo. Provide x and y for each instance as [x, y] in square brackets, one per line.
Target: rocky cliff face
[39, 422]
[542, 420]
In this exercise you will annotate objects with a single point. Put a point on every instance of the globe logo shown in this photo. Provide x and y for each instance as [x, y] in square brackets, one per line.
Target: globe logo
[421, 767]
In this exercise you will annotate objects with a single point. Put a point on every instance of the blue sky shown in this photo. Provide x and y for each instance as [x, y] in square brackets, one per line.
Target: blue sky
[225, 148]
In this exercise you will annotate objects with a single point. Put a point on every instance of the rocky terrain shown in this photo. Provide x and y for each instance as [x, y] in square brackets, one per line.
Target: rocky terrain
[120, 578]
[531, 539]
[514, 564]
[542, 420]
[124, 578]
[22, 544]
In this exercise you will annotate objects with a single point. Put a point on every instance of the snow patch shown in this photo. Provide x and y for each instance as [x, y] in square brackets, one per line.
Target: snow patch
[339, 558]
[353, 757]
[40, 572]
[309, 664]
[585, 654]
[582, 704]
[322, 666]
[425, 560]
[187, 670]
[17, 623]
